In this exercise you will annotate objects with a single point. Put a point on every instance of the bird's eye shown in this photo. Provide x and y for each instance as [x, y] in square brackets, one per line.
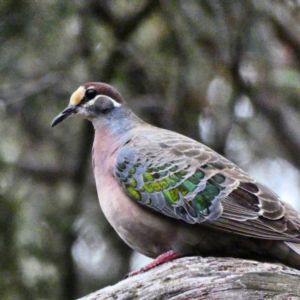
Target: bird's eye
[90, 94]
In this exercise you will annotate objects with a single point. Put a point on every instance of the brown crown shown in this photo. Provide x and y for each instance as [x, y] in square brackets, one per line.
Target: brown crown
[101, 88]
[105, 89]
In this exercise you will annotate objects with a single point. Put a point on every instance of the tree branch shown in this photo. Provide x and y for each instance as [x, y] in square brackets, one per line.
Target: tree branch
[207, 278]
[122, 26]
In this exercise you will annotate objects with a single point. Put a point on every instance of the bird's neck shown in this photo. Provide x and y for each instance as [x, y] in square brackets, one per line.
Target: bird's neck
[112, 132]
[118, 125]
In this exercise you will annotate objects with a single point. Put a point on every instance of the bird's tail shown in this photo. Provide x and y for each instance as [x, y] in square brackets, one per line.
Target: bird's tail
[293, 258]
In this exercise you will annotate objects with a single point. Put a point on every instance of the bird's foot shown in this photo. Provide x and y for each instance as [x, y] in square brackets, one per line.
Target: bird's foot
[161, 259]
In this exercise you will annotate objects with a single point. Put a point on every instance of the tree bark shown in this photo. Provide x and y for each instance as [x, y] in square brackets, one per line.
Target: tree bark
[207, 278]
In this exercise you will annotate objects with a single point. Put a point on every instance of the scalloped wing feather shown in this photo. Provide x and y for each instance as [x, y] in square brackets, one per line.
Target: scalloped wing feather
[186, 180]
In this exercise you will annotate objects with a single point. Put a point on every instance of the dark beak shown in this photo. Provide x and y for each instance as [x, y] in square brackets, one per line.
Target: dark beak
[64, 114]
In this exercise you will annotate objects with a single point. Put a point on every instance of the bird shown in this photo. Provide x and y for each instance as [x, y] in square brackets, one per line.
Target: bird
[169, 196]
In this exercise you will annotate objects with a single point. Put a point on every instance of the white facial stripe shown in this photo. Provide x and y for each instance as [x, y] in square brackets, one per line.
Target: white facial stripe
[92, 102]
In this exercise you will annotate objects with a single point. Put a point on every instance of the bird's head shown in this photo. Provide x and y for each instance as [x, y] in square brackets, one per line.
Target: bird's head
[91, 100]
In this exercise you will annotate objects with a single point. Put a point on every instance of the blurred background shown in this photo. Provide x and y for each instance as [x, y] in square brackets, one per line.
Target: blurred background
[225, 73]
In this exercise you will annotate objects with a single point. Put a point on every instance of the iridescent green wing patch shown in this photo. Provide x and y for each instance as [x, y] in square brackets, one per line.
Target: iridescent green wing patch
[165, 179]
[212, 190]
[184, 193]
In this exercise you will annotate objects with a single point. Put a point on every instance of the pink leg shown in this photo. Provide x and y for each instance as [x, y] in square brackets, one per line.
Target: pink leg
[161, 259]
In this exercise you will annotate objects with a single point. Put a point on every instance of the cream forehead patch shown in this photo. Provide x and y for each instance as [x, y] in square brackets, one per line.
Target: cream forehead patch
[77, 96]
